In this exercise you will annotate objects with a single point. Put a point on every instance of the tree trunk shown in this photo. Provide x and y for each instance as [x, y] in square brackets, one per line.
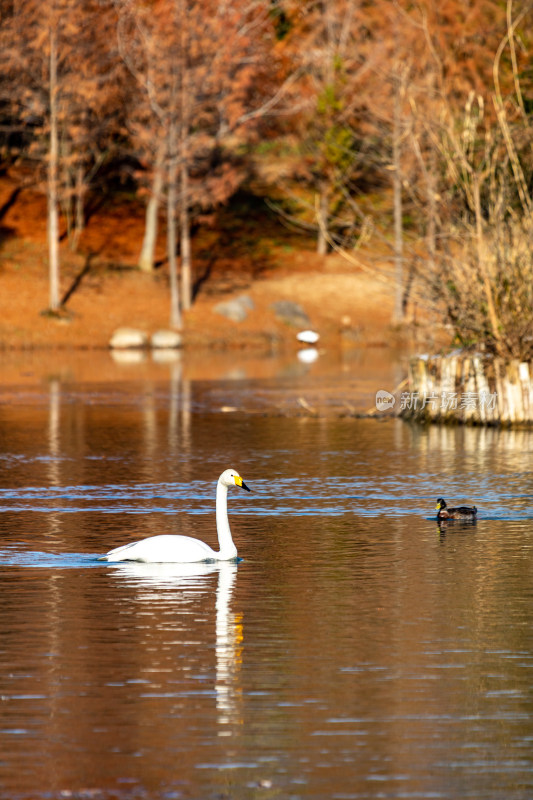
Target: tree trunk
[79, 220]
[322, 241]
[398, 313]
[185, 240]
[493, 317]
[185, 126]
[431, 236]
[52, 183]
[147, 255]
[175, 311]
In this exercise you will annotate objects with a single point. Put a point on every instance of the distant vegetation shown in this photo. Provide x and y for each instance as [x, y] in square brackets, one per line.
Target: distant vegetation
[402, 124]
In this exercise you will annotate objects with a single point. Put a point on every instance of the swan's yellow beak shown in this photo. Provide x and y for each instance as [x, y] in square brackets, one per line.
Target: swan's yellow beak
[239, 482]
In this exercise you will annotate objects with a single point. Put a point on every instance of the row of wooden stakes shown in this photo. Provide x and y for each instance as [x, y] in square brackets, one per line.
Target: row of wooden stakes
[468, 389]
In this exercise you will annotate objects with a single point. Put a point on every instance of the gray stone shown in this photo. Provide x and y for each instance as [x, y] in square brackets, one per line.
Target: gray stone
[237, 309]
[128, 339]
[246, 301]
[165, 339]
[290, 313]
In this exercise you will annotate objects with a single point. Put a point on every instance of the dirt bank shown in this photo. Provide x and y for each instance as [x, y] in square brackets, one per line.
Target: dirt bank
[347, 306]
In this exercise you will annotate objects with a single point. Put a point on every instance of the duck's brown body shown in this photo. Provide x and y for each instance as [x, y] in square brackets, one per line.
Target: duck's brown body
[461, 512]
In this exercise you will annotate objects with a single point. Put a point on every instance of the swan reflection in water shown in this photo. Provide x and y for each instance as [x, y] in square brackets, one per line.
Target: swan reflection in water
[153, 582]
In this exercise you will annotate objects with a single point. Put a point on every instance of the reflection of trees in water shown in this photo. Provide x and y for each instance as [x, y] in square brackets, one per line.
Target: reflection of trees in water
[176, 434]
[483, 445]
[101, 422]
[54, 450]
[110, 435]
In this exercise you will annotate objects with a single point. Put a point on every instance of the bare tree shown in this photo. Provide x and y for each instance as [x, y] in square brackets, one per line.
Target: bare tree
[147, 255]
[53, 165]
[480, 280]
[331, 65]
[57, 72]
[195, 61]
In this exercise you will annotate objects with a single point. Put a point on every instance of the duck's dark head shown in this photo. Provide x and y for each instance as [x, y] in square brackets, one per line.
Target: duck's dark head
[441, 504]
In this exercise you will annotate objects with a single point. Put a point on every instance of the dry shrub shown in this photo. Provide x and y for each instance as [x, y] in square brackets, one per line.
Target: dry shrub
[467, 282]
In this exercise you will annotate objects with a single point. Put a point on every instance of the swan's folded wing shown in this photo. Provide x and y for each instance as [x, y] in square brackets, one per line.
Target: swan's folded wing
[163, 549]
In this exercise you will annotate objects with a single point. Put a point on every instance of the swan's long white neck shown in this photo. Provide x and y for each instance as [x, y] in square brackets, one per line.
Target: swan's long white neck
[227, 548]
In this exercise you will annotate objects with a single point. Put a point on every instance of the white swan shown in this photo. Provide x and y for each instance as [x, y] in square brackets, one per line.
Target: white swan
[184, 549]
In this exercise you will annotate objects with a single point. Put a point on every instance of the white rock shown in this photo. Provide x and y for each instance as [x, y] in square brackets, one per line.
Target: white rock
[166, 339]
[308, 337]
[128, 339]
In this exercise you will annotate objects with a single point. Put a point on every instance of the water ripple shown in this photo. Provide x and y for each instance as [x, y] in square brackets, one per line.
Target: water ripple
[14, 557]
[322, 496]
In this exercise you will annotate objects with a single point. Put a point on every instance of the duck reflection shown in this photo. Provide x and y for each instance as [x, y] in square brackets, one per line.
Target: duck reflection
[455, 525]
[154, 581]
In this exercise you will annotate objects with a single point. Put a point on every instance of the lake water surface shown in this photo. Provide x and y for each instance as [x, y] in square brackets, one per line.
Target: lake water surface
[356, 651]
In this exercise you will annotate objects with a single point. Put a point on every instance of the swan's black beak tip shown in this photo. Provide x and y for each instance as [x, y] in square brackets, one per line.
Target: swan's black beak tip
[244, 486]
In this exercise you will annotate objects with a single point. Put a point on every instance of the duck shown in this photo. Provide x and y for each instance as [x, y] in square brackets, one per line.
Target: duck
[461, 512]
[171, 548]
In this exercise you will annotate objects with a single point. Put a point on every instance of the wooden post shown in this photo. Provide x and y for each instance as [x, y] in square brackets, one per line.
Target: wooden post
[514, 392]
[500, 390]
[448, 388]
[527, 390]
[488, 390]
[469, 411]
[482, 388]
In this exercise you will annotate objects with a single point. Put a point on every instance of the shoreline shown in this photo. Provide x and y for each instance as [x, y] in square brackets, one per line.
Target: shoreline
[234, 259]
[336, 384]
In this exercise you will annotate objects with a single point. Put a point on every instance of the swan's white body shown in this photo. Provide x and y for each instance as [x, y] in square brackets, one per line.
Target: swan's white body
[183, 549]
